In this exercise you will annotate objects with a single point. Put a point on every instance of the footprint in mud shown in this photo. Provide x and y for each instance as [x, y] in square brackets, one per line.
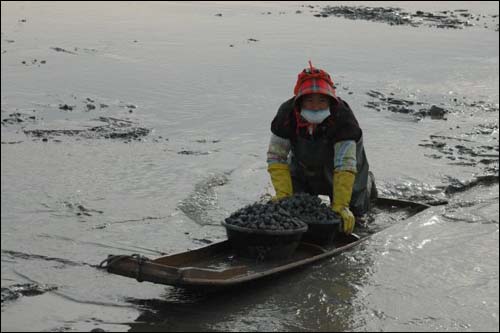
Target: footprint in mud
[80, 210]
[77, 209]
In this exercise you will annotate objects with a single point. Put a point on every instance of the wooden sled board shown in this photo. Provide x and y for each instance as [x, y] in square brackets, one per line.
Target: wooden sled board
[217, 265]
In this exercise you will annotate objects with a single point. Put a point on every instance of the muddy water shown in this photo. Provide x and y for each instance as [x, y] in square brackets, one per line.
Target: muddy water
[138, 128]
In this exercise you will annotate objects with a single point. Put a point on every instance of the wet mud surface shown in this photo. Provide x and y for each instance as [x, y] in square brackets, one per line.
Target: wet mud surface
[459, 145]
[476, 148]
[436, 195]
[394, 16]
[203, 199]
[164, 195]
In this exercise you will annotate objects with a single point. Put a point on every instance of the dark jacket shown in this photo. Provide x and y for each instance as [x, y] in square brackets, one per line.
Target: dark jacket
[341, 125]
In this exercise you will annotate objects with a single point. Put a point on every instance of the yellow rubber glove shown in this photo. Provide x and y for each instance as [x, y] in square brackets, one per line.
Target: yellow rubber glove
[281, 179]
[342, 191]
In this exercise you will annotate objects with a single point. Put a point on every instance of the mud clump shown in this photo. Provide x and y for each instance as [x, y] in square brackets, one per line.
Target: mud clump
[469, 149]
[207, 141]
[66, 107]
[80, 210]
[392, 16]
[436, 112]
[60, 49]
[16, 118]
[191, 152]
[399, 105]
[448, 19]
[113, 129]
[30, 289]
[485, 129]
[34, 62]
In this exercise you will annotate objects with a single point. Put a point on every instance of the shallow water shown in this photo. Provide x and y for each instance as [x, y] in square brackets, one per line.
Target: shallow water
[71, 200]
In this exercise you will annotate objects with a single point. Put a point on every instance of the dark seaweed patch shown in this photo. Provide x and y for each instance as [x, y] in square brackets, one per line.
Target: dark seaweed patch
[447, 19]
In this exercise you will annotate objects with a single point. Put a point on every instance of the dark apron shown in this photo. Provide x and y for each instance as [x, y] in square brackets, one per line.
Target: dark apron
[311, 167]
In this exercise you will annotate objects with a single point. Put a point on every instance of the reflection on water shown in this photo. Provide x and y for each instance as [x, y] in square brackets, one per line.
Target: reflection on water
[316, 298]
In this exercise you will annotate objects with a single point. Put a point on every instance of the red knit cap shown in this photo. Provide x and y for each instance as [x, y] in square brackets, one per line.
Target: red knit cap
[314, 81]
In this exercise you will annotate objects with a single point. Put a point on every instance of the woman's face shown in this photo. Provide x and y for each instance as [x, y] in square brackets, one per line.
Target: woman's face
[315, 102]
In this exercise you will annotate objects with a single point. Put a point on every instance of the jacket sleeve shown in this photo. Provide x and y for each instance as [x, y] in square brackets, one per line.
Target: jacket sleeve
[345, 156]
[283, 123]
[345, 125]
[278, 150]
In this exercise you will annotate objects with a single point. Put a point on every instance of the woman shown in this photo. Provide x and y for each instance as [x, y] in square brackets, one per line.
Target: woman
[317, 147]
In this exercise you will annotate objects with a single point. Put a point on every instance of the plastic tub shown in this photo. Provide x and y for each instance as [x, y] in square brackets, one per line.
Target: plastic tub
[322, 233]
[264, 244]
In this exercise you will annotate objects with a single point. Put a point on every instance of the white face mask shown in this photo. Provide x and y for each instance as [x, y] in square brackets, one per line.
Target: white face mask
[315, 117]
